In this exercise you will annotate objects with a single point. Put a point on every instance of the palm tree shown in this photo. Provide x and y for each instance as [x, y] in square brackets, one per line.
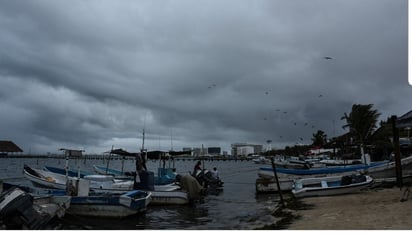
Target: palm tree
[361, 122]
[319, 138]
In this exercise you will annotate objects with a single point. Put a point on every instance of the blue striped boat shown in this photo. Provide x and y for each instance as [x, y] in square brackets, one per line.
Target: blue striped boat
[71, 173]
[267, 172]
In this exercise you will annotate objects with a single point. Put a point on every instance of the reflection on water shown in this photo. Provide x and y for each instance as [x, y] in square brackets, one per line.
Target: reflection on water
[237, 207]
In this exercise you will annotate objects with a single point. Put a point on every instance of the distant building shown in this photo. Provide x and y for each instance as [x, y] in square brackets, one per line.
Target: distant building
[214, 151]
[7, 147]
[196, 152]
[187, 149]
[405, 120]
[72, 153]
[244, 149]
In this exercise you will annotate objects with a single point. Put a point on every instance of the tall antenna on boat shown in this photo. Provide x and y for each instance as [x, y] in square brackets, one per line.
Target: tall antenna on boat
[171, 139]
[142, 142]
[144, 126]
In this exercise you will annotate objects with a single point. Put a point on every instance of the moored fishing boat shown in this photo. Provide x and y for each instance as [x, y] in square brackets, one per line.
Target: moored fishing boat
[168, 194]
[261, 160]
[330, 185]
[111, 205]
[267, 172]
[388, 170]
[45, 179]
[340, 162]
[173, 197]
[164, 175]
[292, 163]
[70, 172]
[98, 183]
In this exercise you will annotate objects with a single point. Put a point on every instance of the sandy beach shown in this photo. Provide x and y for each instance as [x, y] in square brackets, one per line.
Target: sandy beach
[373, 209]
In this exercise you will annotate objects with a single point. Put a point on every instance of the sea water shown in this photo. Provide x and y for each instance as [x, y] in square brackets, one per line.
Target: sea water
[236, 208]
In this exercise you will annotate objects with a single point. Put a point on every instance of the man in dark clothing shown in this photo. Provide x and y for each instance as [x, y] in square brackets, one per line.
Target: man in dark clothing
[197, 168]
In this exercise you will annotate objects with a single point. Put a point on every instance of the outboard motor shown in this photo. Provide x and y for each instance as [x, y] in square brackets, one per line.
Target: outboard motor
[206, 179]
[17, 212]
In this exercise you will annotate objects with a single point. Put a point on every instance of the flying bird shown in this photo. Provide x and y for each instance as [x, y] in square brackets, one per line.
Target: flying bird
[327, 57]
[320, 95]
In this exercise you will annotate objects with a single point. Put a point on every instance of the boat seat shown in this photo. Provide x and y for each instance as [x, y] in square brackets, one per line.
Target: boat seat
[324, 184]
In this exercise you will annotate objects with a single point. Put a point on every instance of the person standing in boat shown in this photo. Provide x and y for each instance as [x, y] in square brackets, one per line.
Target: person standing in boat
[197, 168]
[140, 166]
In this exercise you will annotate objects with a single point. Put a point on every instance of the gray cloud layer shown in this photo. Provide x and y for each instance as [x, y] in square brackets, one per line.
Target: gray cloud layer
[92, 74]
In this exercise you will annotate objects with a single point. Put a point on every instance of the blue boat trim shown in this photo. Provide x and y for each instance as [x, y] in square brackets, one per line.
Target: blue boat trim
[71, 173]
[325, 170]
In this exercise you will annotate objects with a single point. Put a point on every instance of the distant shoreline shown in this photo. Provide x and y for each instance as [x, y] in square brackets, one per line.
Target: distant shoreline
[116, 157]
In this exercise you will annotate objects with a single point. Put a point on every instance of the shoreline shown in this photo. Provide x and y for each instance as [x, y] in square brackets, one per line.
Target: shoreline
[388, 208]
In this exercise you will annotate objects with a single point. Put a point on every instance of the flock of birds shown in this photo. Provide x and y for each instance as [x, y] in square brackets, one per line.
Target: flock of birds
[285, 112]
[305, 124]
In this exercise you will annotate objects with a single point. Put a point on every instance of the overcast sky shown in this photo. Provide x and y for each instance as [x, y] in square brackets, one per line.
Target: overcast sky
[92, 74]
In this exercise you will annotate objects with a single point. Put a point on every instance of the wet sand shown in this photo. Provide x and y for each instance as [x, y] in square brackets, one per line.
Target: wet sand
[374, 209]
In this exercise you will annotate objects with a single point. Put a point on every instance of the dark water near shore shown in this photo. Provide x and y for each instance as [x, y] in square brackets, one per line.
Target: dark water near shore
[237, 207]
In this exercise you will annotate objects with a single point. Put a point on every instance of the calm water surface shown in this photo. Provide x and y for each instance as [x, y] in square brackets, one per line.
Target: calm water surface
[237, 207]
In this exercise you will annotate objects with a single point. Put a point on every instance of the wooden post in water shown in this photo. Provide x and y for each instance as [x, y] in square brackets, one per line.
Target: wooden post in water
[397, 152]
[277, 182]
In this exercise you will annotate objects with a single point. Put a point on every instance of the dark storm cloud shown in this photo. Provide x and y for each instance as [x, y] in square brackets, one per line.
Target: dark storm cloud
[93, 74]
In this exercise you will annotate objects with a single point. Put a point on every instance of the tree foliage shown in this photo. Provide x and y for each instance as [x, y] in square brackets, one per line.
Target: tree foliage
[361, 121]
[319, 138]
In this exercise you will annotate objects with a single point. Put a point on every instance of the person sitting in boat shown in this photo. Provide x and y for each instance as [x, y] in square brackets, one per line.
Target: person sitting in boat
[191, 186]
[215, 173]
[197, 168]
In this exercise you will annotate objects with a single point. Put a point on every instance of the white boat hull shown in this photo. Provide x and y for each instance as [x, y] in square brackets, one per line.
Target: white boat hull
[119, 206]
[261, 160]
[320, 186]
[53, 180]
[47, 179]
[169, 198]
